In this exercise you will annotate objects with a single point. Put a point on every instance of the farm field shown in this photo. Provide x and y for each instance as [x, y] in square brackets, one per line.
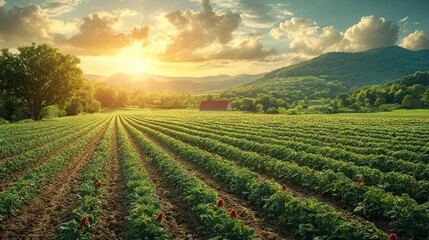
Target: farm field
[182, 174]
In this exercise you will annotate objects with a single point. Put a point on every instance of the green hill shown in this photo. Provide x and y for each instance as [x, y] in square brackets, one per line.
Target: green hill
[375, 66]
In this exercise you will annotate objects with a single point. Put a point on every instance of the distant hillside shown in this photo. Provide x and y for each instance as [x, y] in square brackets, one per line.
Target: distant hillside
[289, 89]
[154, 83]
[375, 66]
[333, 73]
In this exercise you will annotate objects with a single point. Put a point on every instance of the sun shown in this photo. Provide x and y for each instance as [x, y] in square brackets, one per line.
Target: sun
[139, 66]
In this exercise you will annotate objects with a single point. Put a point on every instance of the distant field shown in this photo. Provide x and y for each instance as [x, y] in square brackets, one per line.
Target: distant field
[415, 113]
[185, 174]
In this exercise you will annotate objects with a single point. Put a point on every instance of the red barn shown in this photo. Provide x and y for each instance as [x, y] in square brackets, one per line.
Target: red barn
[215, 105]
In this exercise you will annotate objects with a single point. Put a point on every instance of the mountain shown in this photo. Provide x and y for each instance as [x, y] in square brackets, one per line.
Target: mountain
[155, 83]
[333, 73]
[375, 66]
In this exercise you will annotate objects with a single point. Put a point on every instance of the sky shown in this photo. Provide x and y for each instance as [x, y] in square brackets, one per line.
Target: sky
[203, 37]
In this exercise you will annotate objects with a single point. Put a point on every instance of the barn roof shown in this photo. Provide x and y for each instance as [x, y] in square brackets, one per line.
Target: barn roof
[214, 104]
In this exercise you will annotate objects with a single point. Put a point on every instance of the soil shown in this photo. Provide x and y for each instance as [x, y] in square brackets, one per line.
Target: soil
[180, 220]
[41, 218]
[111, 224]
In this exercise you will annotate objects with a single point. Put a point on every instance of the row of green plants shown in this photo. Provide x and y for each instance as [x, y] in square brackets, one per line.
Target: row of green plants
[384, 163]
[216, 222]
[34, 181]
[17, 144]
[341, 147]
[368, 164]
[392, 181]
[21, 161]
[145, 219]
[405, 215]
[391, 140]
[90, 193]
[308, 218]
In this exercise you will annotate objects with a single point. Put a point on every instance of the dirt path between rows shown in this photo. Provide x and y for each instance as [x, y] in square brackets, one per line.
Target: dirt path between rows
[267, 228]
[180, 220]
[42, 217]
[111, 224]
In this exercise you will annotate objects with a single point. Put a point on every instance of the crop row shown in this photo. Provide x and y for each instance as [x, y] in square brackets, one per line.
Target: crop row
[194, 192]
[393, 182]
[356, 136]
[21, 161]
[336, 146]
[18, 144]
[90, 193]
[143, 204]
[370, 201]
[33, 182]
[308, 218]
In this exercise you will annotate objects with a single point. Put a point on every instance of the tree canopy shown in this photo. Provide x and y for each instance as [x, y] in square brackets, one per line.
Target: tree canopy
[39, 76]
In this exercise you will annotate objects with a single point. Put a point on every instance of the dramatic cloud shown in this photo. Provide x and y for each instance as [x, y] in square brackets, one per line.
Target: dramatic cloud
[59, 7]
[309, 40]
[97, 35]
[416, 41]
[371, 32]
[23, 25]
[198, 32]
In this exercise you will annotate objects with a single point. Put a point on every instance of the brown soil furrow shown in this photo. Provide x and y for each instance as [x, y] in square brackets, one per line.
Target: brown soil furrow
[14, 176]
[267, 228]
[180, 221]
[41, 218]
[111, 224]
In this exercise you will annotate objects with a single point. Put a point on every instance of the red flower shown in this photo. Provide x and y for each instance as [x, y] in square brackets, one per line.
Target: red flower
[284, 187]
[84, 221]
[360, 181]
[97, 182]
[393, 236]
[233, 213]
[160, 217]
[220, 203]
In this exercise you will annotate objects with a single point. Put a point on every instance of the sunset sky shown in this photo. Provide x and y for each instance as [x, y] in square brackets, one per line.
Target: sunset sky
[202, 37]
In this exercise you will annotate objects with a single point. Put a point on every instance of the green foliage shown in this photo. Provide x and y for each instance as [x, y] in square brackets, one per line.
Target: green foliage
[39, 76]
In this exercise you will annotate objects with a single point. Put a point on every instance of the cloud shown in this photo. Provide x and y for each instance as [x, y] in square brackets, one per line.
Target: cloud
[24, 25]
[2, 3]
[403, 19]
[256, 13]
[416, 41]
[371, 32]
[59, 7]
[199, 36]
[307, 39]
[97, 35]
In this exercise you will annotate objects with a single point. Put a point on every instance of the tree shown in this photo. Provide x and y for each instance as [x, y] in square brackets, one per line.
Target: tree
[106, 95]
[39, 76]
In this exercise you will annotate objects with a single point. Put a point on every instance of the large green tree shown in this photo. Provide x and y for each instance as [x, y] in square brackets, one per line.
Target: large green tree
[39, 76]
